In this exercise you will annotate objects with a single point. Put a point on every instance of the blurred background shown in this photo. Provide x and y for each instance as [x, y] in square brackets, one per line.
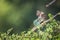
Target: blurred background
[20, 14]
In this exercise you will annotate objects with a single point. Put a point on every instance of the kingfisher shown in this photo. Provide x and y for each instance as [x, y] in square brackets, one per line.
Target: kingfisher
[41, 17]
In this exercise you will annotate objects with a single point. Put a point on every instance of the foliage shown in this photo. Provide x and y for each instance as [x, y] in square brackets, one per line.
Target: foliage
[51, 32]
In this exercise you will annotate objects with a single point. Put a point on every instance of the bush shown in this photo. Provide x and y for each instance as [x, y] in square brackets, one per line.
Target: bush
[51, 32]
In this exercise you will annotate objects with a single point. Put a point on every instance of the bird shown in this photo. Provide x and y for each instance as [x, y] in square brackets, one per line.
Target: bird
[40, 19]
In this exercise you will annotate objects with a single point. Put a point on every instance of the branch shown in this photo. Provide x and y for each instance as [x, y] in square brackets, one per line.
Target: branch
[50, 3]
